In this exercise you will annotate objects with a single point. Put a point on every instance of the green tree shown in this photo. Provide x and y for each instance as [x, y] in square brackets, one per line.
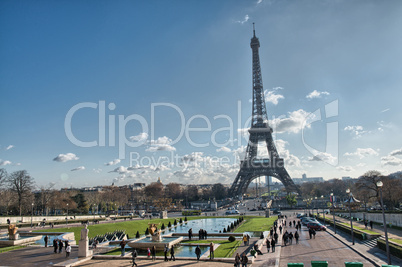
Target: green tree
[291, 199]
[82, 205]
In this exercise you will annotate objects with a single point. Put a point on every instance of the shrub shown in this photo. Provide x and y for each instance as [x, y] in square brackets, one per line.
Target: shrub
[228, 230]
[224, 230]
[231, 226]
[169, 225]
[137, 235]
[181, 221]
[185, 219]
[175, 222]
[232, 238]
[147, 232]
[163, 226]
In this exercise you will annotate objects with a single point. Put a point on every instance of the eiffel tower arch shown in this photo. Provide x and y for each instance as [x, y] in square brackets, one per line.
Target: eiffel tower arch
[260, 131]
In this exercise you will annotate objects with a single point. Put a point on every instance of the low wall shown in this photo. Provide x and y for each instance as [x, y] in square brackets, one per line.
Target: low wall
[391, 218]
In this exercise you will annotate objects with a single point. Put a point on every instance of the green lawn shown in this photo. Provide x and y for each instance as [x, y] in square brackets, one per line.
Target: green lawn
[225, 250]
[360, 229]
[256, 224]
[5, 249]
[399, 241]
[131, 227]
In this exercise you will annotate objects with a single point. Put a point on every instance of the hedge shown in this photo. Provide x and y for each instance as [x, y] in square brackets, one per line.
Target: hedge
[394, 249]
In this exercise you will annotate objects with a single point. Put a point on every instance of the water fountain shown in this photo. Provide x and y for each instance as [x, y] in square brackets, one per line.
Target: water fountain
[14, 239]
[156, 240]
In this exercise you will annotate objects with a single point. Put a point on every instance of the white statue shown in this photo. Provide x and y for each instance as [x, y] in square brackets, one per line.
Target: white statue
[84, 233]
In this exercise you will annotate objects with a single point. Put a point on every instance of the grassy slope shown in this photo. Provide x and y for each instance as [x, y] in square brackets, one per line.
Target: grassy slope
[5, 249]
[256, 224]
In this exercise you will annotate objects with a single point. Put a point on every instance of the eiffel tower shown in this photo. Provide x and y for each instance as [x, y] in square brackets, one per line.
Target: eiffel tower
[252, 167]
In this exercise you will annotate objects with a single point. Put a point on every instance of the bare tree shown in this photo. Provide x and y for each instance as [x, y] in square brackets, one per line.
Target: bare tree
[21, 183]
[3, 176]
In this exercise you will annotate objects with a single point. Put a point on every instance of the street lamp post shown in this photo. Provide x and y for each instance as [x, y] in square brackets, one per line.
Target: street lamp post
[67, 216]
[333, 210]
[323, 207]
[350, 215]
[32, 215]
[379, 185]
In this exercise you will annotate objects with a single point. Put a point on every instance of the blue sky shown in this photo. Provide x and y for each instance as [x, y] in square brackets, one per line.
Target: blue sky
[180, 65]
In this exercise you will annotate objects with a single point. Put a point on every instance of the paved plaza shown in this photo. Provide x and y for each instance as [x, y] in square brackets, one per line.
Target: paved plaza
[327, 246]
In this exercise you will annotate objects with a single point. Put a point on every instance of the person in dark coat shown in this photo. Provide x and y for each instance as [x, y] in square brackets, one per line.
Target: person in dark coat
[190, 233]
[166, 250]
[297, 237]
[371, 225]
[268, 245]
[172, 254]
[55, 245]
[276, 237]
[153, 253]
[244, 260]
[198, 252]
[46, 239]
[273, 245]
[134, 255]
[310, 233]
[280, 229]
[290, 238]
[60, 246]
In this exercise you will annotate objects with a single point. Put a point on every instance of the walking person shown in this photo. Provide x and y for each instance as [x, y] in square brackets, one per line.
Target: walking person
[55, 245]
[257, 250]
[68, 250]
[273, 245]
[46, 239]
[244, 260]
[371, 225]
[211, 251]
[134, 255]
[248, 239]
[172, 254]
[148, 253]
[190, 233]
[122, 246]
[268, 245]
[276, 237]
[198, 252]
[60, 245]
[297, 237]
[153, 252]
[314, 232]
[166, 250]
[365, 224]
[290, 238]
[237, 260]
[245, 240]
[280, 229]
[310, 233]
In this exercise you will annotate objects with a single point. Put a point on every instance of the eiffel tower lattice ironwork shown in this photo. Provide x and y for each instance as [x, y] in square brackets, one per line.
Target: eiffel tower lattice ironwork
[252, 167]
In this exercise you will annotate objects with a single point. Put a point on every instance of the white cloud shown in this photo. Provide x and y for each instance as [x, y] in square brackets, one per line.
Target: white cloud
[224, 149]
[97, 170]
[390, 160]
[272, 97]
[323, 156]
[65, 157]
[80, 168]
[316, 94]
[246, 18]
[259, 2]
[161, 144]
[396, 152]
[356, 130]
[290, 159]
[113, 162]
[363, 152]
[120, 170]
[294, 123]
[142, 138]
[9, 147]
[5, 162]
[345, 168]
[385, 110]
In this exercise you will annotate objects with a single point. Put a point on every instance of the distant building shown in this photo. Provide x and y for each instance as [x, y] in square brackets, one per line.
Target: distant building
[346, 178]
[306, 179]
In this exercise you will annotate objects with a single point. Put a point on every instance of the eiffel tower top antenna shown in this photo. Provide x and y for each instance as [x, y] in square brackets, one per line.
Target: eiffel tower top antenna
[254, 29]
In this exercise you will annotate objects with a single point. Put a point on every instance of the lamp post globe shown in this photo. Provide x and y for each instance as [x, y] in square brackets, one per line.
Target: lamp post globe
[333, 210]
